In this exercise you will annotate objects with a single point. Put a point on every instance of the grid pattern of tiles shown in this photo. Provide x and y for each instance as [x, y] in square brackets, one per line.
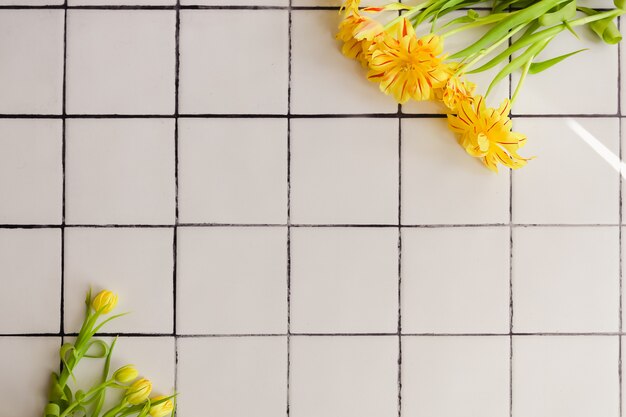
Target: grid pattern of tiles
[290, 242]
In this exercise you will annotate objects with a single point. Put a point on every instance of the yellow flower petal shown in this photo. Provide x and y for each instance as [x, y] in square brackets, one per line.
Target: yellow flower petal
[406, 66]
[485, 133]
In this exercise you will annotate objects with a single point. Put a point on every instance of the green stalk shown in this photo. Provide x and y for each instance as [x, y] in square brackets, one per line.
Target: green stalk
[414, 10]
[518, 87]
[487, 51]
[89, 393]
[492, 18]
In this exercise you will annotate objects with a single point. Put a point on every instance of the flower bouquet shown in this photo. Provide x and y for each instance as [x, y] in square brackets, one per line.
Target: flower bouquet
[135, 399]
[411, 67]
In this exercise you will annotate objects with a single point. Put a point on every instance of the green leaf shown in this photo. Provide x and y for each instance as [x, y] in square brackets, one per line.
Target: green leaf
[68, 393]
[469, 18]
[502, 28]
[104, 349]
[537, 67]
[52, 410]
[95, 330]
[620, 4]
[525, 40]
[55, 392]
[518, 62]
[66, 349]
[606, 29]
[563, 13]
[445, 8]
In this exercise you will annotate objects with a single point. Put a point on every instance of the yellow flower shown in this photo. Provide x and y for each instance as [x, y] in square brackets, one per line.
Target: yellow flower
[408, 67]
[104, 302]
[486, 133]
[162, 409]
[358, 34]
[139, 391]
[456, 91]
[350, 6]
[126, 374]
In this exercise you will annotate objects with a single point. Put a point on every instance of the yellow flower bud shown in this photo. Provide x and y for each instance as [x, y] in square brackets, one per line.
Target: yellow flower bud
[126, 374]
[139, 391]
[104, 302]
[161, 409]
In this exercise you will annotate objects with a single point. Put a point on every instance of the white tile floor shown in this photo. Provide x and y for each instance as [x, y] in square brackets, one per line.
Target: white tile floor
[288, 243]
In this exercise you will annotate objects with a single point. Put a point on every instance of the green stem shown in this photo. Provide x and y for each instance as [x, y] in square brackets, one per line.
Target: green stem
[487, 51]
[79, 346]
[414, 10]
[493, 18]
[89, 393]
[518, 87]
[113, 411]
[105, 376]
[604, 15]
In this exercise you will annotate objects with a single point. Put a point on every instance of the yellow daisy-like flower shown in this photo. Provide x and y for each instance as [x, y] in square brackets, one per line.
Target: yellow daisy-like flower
[485, 133]
[456, 91]
[358, 34]
[406, 66]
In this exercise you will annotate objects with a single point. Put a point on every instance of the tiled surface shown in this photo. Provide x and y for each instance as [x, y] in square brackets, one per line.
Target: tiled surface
[564, 375]
[287, 242]
[207, 88]
[455, 376]
[26, 366]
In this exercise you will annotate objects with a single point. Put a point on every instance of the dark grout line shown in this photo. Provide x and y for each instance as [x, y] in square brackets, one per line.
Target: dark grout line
[176, 199]
[620, 235]
[286, 116]
[182, 7]
[296, 225]
[63, 169]
[289, 80]
[399, 262]
[322, 334]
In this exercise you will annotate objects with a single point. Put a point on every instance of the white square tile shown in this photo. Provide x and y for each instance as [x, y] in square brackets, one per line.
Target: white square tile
[232, 376]
[233, 170]
[566, 279]
[30, 2]
[344, 171]
[442, 184]
[232, 280]
[469, 294]
[565, 376]
[279, 3]
[30, 263]
[31, 171]
[31, 76]
[135, 263]
[344, 280]
[342, 376]
[236, 76]
[335, 3]
[453, 44]
[573, 179]
[622, 67]
[154, 358]
[121, 2]
[455, 376]
[566, 88]
[120, 171]
[27, 363]
[322, 79]
[113, 67]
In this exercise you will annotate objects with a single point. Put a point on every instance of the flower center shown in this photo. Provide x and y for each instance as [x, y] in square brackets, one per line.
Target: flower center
[483, 142]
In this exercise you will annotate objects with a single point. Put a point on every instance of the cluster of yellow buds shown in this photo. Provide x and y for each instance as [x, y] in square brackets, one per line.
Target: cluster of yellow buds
[411, 67]
[136, 398]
